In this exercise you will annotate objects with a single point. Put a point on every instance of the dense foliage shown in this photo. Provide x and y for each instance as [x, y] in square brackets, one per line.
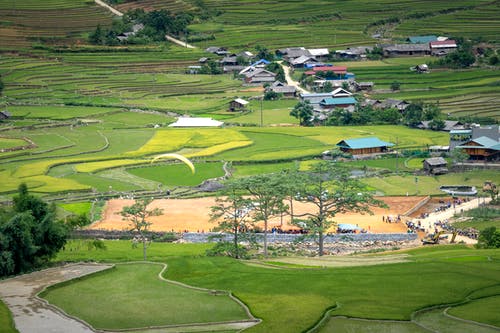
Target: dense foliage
[155, 23]
[30, 235]
[489, 238]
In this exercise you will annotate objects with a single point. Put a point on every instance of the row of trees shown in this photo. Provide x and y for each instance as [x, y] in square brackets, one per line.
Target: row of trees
[328, 187]
[30, 234]
[157, 24]
[362, 115]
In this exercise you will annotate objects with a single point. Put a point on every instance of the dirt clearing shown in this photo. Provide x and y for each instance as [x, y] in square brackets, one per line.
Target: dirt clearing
[193, 215]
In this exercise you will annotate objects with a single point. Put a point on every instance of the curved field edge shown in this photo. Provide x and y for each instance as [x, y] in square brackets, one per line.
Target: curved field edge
[6, 321]
[147, 306]
[430, 319]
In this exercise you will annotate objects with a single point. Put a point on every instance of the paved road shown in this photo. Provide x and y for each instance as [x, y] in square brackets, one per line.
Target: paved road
[168, 37]
[31, 314]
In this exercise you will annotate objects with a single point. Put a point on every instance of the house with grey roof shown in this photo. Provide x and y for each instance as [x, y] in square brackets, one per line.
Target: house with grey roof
[435, 166]
[284, 89]
[354, 53]
[400, 50]
[259, 76]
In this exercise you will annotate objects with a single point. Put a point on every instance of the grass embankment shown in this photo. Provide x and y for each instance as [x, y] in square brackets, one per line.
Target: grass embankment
[6, 322]
[291, 300]
[133, 296]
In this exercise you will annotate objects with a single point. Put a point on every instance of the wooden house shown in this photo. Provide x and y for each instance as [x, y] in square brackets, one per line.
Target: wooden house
[361, 146]
[482, 148]
[238, 104]
[435, 166]
[354, 53]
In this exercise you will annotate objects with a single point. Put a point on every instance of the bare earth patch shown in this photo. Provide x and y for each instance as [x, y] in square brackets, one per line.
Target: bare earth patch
[194, 215]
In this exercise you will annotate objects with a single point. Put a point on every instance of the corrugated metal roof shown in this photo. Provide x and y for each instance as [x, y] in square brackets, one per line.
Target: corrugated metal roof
[338, 101]
[196, 122]
[359, 143]
[241, 101]
[422, 39]
[485, 142]
[461, 131]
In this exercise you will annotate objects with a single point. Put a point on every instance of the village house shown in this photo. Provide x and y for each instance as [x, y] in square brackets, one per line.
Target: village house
[362, 146]
[292, 53]
[422, 39]
[303, 61]
[354, 53]
[281, 88]
[362, 86]
[441, 48]
[331, 72]
[422, 68]
[449, 125]
[258, 76]
[195, 69]
[435, 166]
[330, 103]
[401, 50]
[395, 104]
[238, 104]
[135, 29]
[319, 54]
[461, 136]
[482, 148]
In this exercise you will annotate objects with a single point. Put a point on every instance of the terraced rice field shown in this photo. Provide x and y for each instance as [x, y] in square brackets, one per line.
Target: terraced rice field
[23, 23]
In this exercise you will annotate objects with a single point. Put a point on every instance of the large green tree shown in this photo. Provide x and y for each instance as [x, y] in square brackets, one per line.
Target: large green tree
[303, 111]
[30, 235]
[331, 190]
[137, 215]
[231, 211]
[267, 195]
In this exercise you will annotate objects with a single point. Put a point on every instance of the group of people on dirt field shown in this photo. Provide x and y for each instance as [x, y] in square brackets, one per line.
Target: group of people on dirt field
[391, 219]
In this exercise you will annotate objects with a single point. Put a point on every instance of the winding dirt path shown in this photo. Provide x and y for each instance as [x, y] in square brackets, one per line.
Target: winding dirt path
[168, 37]
[289, 79]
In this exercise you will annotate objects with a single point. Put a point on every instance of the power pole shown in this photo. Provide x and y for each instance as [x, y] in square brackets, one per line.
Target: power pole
[261, 114]
[397, 156]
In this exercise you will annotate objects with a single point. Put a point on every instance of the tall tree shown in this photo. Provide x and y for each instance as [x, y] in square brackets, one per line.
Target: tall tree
[137, 215]
[331, 190]
[459, 156]
[414, 114]
[29, 234]
[267, 195]
[231, 211]
[304, 112]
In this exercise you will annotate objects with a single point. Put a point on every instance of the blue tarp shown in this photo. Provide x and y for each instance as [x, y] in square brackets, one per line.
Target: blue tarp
[345, 226]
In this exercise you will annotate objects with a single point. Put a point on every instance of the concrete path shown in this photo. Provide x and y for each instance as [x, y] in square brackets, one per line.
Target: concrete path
[108, 7]
[289, 79]
[33, 315]
[447, 214]
[168, 37]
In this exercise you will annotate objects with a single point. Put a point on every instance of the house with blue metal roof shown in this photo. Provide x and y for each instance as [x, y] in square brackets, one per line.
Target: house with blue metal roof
[422, 39]
[361, 146]
[482, 148]
[340, 102]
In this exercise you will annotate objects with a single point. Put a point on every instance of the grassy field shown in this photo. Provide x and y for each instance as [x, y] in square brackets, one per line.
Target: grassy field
[78, 157]
[428, 185]
[293, 299]
[6, 322]
[179, 174]
[480, 310]
[155, 303]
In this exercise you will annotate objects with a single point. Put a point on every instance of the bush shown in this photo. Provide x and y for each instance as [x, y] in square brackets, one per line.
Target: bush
[489, 238]
[227, 249]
